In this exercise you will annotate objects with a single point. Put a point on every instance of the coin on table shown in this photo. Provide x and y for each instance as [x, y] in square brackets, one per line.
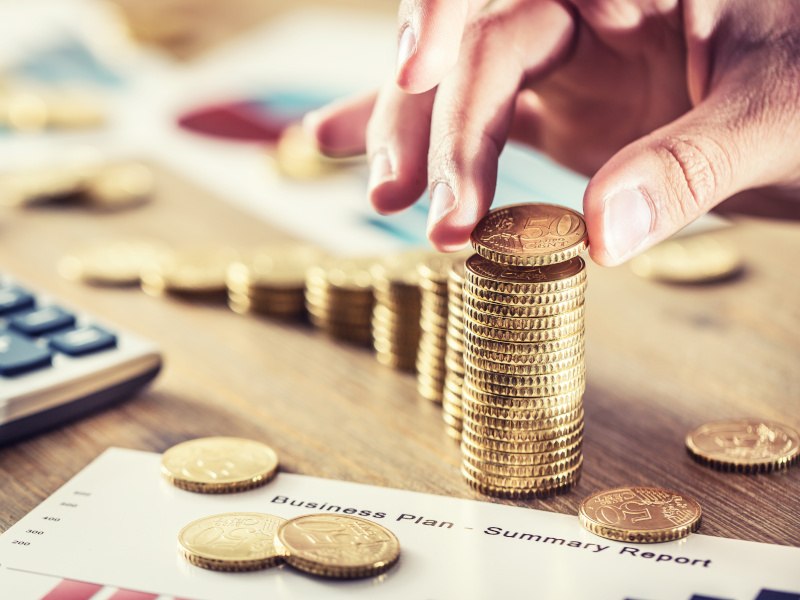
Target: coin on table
[118, 262]
[237, 541]
[189, 271]
[696, 259]
[640, 514]
[744, 445]
[120, 185]
[215, 465]
[337, 546]
[530, 235]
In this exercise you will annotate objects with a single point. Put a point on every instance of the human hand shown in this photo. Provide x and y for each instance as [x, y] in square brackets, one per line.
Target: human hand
[671, 106]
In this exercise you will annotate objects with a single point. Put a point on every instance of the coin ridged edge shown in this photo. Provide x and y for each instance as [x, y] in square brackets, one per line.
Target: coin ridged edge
[641, 537]
[229, 566]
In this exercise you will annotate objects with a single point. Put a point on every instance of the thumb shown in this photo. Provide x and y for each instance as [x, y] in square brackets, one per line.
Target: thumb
[660, 183]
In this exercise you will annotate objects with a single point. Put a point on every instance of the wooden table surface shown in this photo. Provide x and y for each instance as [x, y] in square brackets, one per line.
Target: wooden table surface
[661, 360]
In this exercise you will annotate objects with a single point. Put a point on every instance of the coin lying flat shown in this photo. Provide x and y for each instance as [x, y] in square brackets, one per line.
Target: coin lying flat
[231, 541]
[337, 546]
[219, 465]
[640, 514]
[696, 259]
[744, 445]
[530, 235]
[118, 262]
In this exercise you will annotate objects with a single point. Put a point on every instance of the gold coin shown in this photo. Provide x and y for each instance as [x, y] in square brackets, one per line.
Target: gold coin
[542, 491]
[297, 157]
[436, 268]
[479, 293]
[558, 421]
[485, 346]
[120, 185]
[642, 515]
[473, 316]
[474, 363]
[520, 458]
[219, 465]
[520, 402]
[118, 262]
[543, 280]
[547, 328]
[336, 273]
[275, 267]
[532, 483]
[541, 380]
[487, 432]
[744, 445]
[399, 270]
[540, 353]
[516, 311]
[695, 259]
[517, 446]
[576, 380]
[519, 415]
[190, 271]
[547, 469]
[530, 235]
[338, 546]
[238, 541]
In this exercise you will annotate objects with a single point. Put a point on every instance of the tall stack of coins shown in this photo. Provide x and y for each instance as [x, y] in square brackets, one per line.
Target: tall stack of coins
[271, 281]
[398, 303]
[524, 352]
[452, 412]
[433, 276]
[340, 299]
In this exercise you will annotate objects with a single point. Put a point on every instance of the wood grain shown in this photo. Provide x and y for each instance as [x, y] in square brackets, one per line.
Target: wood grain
[661, 360]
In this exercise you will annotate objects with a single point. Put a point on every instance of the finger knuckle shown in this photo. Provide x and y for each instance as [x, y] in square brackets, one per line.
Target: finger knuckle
[696, 168]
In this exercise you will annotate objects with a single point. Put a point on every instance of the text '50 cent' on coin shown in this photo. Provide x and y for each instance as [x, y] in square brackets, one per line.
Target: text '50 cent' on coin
[744, 445]
[216, 465]
[530, 235]
[640, 514]
[231, 541]
[337, 546]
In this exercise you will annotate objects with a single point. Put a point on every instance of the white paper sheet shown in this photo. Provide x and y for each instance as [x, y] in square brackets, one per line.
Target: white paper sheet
[115, 524]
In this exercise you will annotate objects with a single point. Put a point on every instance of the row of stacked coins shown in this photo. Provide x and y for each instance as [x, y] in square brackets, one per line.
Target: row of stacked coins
[395, 320]
[454, 354]
[433, 324]
[524, 372]
[340, 299]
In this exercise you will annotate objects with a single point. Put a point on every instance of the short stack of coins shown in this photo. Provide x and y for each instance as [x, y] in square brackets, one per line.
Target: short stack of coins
[398, 303]
[524, 352]
[271, 281]
[454, 354]
[433, 323]
[340, 298]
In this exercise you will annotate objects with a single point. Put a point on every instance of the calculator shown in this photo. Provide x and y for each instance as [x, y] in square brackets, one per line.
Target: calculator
[57, 364]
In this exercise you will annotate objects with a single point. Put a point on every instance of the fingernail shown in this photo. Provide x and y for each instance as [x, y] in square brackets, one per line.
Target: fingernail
[626, 222]
[406, 45]
[443, 202]
[380, 169]
[310, 121]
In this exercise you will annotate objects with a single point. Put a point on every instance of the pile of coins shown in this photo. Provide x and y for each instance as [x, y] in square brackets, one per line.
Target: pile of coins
[111, 263]
[199, 273]
[340, 300]
[433, 274]
[452, 412]
[271, 281]
[327, 545]
[98, 186]
[524, 372]
[395, 322]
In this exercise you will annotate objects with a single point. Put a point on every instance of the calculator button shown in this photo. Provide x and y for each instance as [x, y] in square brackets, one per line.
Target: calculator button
[18, 354]
[42, 320]
[13, 299]
[83, 341]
